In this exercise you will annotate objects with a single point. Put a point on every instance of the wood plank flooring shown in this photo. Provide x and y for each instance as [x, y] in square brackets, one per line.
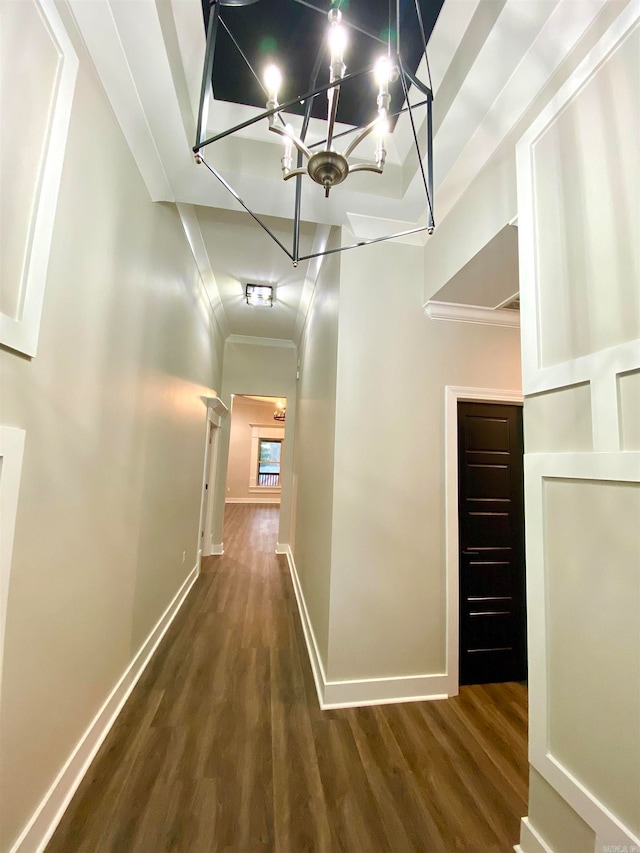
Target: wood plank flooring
[222, 746]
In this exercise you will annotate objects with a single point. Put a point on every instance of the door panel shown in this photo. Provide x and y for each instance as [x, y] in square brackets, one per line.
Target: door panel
[489, 481]
[486, 529]
[486, 434]
[491, 523]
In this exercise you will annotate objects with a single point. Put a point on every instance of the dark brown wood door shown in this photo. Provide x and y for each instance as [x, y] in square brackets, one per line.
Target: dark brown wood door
[491, 523]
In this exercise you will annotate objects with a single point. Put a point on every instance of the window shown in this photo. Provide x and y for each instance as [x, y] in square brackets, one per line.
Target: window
[269, 462]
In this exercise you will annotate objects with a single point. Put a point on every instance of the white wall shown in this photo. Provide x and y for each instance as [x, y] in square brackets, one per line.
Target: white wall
[388, 608]
[579, 212]
[115, 431]
[255, 368]
[489, 202]
[370, 527]
[246, 415]
[314, 448]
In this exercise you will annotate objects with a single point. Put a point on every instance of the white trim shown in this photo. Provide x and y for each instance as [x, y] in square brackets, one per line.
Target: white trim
[600, 369]
[319, 678]
[11, 455]
[102, 34]
[621, 358]
[200, 544]
[472, 314]
[503, 93]
[540, 467]
[217, 405]
[356, 693]
[209, 480]
[208, 281]
[37, 833]
[530, 839]
[260, 342]
[453, 395]
[509, 299]
[281, 548]
[258, 499]
[217, 549]
[535, 376]
[21, 333]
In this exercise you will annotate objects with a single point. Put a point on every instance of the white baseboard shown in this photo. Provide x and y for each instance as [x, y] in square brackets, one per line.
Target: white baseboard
[263, 499]
[282, 548]
[310, 640]
[37, 833]
[384, 691]
[217, 549]
[359, 692]
[530, 840]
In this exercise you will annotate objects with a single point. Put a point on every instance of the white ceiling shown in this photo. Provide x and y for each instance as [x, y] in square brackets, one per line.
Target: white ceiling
[488, 59]
[240, 252]
[496, 266]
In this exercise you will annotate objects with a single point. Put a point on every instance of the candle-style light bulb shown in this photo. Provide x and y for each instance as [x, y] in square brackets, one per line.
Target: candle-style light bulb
[272, 82]
[382, 129]
[337, 44]
[383, 74]
[287, 154]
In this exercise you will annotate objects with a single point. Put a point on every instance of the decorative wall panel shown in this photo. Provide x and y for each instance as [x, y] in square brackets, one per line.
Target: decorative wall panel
[579, 216]
[593, 592]
[35, 104]
[629, 404]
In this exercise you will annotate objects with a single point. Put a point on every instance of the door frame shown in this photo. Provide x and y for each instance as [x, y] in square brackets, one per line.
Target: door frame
[216, 409]
[453, 395]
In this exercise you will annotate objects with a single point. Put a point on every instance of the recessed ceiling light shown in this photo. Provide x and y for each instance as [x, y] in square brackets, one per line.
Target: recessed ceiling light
[259, 294]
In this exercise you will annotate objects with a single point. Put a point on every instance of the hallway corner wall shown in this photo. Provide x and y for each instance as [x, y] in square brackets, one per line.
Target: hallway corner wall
[107, 515]
[388, 626]
[314, 454]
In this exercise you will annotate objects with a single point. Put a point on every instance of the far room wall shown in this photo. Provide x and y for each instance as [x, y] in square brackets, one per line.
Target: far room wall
[250, 420]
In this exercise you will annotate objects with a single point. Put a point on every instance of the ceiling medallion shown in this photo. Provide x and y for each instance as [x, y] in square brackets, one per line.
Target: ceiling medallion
[327, 167]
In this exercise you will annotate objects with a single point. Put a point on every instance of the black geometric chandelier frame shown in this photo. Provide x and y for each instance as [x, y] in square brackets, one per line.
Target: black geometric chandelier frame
[327, 156]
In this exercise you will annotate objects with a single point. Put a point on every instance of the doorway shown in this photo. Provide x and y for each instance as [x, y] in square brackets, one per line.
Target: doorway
[492, 597]
[205, 544]
[254, 474]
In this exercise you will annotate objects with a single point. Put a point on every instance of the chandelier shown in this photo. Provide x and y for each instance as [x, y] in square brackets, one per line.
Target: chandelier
[328, 167]
[324, 163]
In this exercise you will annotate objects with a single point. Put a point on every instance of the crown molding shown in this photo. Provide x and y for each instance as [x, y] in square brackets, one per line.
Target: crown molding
[193, 233]
[216, 404]
[472, 314]
[260, 342]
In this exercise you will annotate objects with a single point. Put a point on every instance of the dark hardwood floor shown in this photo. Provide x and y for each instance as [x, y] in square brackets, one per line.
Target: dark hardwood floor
[222, 746]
